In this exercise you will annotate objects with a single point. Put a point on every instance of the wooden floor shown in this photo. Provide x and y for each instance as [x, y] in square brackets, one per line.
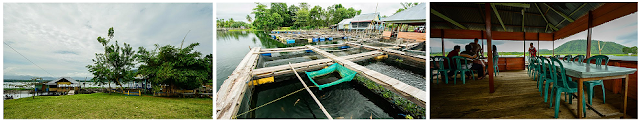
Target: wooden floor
[516, 96]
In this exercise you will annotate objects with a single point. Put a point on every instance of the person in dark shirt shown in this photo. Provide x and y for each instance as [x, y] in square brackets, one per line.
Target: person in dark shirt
[468, 53]
[475, 47]
[454, 52]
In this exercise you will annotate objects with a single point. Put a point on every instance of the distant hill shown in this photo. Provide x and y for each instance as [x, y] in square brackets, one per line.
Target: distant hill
[28, 77]
[580, 46]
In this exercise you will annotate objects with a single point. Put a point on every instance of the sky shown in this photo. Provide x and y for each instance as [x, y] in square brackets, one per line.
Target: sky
[239, 11]
[61, 38]
[623, 31]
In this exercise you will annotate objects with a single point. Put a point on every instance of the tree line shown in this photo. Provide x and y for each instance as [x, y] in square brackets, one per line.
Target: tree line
[301, 16]
[182, 67]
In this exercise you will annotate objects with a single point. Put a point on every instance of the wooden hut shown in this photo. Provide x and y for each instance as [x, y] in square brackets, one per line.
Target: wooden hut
[63, 84]
[365, 21]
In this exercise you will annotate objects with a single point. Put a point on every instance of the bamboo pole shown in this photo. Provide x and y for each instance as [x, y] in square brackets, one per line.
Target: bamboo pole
[311, 93]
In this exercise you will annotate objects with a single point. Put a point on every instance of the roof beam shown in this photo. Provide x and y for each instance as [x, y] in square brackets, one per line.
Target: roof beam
[521, 5]
[471, 23]
[433, 11]
[523, 20]
[498, 15]
[560, 13]
[545, 18]
[479, 7]
[574, 11]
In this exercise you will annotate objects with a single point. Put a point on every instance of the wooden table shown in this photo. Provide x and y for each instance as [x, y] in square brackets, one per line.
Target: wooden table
[588, 72]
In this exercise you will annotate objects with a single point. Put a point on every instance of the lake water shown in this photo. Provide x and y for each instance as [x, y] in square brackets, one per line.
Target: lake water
[348, 100]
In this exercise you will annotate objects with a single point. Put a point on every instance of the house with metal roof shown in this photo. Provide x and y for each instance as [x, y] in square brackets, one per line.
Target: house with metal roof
[416, 15]
[413, 17]
[344, 24]
[365, 21]
[63, 84]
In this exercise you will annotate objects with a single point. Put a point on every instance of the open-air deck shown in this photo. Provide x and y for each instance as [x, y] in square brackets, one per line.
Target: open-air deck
[516, 96]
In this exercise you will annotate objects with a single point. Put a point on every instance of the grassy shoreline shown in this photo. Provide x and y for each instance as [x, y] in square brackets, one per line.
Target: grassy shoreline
[105, 106]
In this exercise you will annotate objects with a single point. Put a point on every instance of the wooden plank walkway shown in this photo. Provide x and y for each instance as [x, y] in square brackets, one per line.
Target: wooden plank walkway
[309, 65]
[516, 96]
[232, 90]
[411, 93]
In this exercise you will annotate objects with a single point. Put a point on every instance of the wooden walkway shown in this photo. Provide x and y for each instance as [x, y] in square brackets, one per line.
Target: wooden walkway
[516, 96]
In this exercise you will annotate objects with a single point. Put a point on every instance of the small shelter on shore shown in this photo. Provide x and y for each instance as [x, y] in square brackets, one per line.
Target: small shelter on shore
[63, 84]
[344, 24]
[365, 21]
[414, 16]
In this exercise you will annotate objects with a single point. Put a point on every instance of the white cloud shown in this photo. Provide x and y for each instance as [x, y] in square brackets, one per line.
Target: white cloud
[61, 38]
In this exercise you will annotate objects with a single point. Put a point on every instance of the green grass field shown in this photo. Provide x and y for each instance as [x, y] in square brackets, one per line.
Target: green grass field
[105, 106]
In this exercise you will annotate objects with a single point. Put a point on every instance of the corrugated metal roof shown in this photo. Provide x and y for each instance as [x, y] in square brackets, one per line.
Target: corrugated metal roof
[345, 21]
[471, 16]
[417, 12]
[53, 82]
[365, 17]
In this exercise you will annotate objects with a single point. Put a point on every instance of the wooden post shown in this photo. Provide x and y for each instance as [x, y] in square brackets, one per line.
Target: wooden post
[311, 93]
[487, 11]
[553, 39]
[589, 23]
[442, 37]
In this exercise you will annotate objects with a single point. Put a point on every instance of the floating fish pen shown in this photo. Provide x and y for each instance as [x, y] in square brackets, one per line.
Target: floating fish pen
[312, 36]
[348, 81]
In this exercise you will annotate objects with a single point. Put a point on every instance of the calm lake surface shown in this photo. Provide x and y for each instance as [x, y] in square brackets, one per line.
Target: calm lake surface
[348, 100]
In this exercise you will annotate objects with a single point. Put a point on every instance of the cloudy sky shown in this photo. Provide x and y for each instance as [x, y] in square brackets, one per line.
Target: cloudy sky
[239, 11]
[61, 38]
[623, 31]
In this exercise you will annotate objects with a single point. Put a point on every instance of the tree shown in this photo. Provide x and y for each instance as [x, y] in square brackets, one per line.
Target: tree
[249, 18]
[183, 68]
[405, 6]
[600, 47]
[283, 11]
[115, 64]
[302, 17]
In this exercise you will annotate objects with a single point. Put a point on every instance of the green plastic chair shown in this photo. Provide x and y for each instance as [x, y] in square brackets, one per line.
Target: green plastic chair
[567, 58]
[562, 84]
[546, 77]
[532, 67]
[441, 69]
[593, 83]
[433, 68]
[458, 62]
[496, 70]
[578, 58]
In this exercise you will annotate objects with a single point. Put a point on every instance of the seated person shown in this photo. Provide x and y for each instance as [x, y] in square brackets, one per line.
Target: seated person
[477, 64]
[454, 52]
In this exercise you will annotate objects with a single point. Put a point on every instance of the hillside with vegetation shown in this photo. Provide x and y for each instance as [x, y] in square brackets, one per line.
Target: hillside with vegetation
[580, 46]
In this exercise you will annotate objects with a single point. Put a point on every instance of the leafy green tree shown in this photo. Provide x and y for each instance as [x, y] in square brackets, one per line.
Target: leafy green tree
[405, 6]
[283, 11]
[249, 18]
[184, 68]
[115, 64]
[302, 17]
